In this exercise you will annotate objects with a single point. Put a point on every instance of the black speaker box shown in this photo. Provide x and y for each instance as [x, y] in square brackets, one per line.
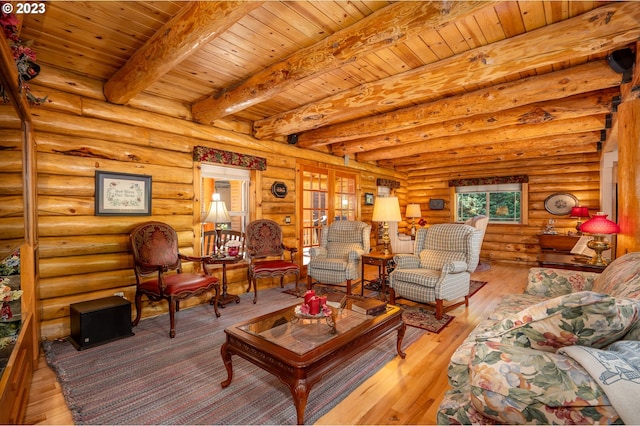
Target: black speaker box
[99, 321]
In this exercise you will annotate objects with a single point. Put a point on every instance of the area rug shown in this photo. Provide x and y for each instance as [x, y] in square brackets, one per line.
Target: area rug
[423, 317]
[149, 378]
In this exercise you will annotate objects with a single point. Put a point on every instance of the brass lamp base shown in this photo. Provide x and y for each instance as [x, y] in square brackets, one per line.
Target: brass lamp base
[598, 244]
[386, 241]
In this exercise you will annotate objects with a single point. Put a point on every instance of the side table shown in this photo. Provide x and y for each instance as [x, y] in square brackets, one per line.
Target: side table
[380, 260]
[568, 261]
[225, 297]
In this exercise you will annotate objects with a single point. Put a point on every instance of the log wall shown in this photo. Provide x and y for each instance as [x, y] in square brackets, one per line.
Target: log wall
[83, 256]
[578, 175]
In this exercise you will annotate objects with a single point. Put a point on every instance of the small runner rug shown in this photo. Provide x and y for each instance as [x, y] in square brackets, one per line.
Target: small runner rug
[149, 378]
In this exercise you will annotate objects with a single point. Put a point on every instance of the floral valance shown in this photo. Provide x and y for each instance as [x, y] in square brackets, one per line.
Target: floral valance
[393, 184]
[489, 180]
[213, 155]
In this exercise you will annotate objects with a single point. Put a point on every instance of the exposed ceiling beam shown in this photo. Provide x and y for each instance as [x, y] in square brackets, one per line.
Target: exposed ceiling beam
[578, 143]
[382, 29]
[593, 103]
[193, 27]
[609, 26]
[490, 137]
[585, 78]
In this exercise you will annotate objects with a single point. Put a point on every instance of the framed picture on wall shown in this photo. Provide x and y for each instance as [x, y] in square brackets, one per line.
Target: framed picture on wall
[122, 194]
[368, 199]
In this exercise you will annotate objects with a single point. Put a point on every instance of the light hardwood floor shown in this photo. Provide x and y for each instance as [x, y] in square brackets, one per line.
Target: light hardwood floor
[404, 392]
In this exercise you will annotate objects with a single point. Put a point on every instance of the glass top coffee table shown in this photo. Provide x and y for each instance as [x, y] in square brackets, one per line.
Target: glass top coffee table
[300, 350]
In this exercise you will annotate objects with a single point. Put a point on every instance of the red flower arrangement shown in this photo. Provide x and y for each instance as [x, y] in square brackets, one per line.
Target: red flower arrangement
[24, 56]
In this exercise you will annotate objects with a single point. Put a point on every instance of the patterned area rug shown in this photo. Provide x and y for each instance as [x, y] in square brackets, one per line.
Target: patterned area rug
[149, 378]
[421, 317]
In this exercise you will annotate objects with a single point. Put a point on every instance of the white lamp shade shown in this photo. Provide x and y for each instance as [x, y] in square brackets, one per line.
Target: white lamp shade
[413, 210]
[218, 211]
[386, 209]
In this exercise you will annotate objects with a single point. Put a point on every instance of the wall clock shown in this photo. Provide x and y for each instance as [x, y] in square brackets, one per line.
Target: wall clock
[560, 203]
[279, 189]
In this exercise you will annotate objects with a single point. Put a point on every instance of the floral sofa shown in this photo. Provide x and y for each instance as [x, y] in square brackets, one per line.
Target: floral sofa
[512, 369]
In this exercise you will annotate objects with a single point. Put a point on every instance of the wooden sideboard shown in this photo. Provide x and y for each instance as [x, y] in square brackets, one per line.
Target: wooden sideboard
[556, 253]
[557, 243]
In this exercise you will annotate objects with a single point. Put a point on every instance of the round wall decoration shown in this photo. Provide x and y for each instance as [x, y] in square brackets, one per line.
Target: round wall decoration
[560, 203]
[279, 189]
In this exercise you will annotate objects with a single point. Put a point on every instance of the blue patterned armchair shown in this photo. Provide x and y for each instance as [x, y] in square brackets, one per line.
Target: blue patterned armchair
[337, 260]
[446, 254]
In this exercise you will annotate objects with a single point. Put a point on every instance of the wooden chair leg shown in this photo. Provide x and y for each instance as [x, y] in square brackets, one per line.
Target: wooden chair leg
[392, 297]
[439, 308]
[282, 281]
[348, 287]
[255, 291]
[309, 282]
[466, 300]
[138, 309]
[172, 317]
[249, 278]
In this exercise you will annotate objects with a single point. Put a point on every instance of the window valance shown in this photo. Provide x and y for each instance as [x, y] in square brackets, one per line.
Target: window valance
[495, 180]
[213, 155]
[393, 184]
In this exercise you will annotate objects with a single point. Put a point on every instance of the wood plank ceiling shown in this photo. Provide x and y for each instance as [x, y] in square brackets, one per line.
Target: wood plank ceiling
[409, 85]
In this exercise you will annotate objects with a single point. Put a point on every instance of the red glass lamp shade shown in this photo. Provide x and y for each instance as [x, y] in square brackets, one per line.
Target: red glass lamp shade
[600, 225]
[580, 212]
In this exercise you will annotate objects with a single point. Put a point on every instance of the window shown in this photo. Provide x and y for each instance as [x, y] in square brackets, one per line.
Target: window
[232, 184]
[502, 203]
[327, 195]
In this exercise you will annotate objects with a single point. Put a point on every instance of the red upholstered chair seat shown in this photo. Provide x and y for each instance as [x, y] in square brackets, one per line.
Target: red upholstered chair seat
[273, 266]
[177, 284]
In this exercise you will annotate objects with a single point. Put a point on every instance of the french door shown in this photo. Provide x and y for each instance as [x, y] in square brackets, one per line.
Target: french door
[327, 195]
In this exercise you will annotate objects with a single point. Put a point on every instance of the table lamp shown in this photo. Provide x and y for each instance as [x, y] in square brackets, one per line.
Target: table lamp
[579, 213]
[385, 210]
[218, 214]
[599, 226]
[413, 211]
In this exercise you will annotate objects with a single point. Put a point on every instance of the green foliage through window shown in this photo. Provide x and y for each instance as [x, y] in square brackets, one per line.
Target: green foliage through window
[502, 205]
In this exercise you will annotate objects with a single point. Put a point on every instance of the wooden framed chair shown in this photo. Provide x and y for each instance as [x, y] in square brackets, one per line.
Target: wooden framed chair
[265, 253]
[158, 269]
[226, 235]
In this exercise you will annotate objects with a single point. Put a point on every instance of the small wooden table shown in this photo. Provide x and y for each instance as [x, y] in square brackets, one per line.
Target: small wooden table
[568, 261]
[380, 260]
[276, 342]
[225, 297]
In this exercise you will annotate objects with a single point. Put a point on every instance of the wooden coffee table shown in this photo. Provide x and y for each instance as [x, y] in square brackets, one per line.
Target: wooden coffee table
[300, 351]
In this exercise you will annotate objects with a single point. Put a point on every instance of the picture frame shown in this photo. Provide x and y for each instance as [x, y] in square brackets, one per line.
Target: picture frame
[560, 203]
[368, 199]
[122, 194]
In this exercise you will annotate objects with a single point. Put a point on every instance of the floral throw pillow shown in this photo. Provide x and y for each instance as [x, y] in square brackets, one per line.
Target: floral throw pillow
[584, 318]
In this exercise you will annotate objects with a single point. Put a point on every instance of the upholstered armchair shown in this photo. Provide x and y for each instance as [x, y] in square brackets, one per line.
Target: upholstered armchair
[337, 260]
[400, 243]
[265, 252]
[440, 271]
[157, 264]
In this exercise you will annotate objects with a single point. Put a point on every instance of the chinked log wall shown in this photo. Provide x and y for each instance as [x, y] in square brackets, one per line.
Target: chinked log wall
[83, 256]
[578, 175]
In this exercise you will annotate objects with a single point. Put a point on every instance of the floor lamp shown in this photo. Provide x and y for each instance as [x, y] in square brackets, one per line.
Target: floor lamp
[218, 215]
[385, 210]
